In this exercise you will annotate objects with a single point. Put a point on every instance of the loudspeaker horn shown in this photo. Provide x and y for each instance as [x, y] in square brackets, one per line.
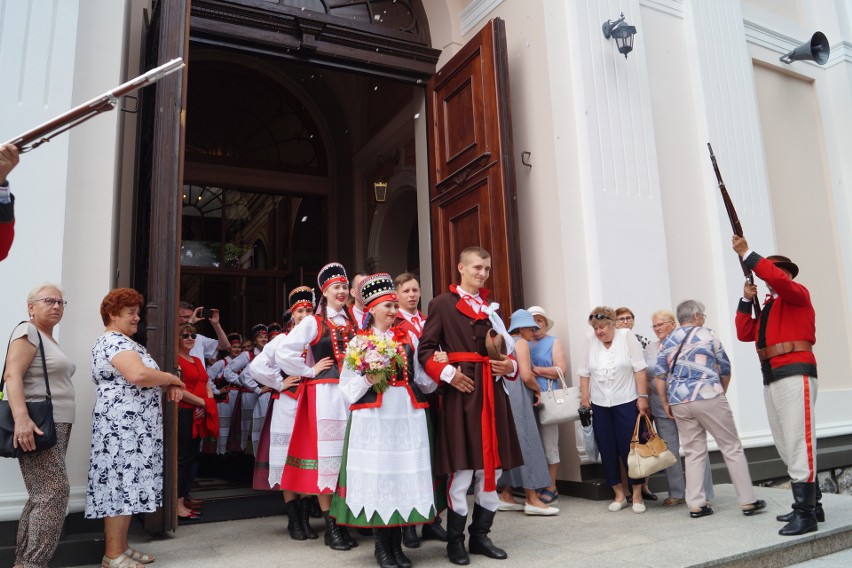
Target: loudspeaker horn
[816, 50]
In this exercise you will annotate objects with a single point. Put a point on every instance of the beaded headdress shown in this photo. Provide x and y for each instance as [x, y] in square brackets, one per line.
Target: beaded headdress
[377, 288]
[331, 273]
[301, 297]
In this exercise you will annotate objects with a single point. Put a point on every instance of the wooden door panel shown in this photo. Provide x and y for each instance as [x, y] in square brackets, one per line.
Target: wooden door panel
[472, 186]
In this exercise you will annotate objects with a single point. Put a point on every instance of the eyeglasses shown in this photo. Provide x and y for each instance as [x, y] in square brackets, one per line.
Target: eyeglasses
[624, 318]
[52, 302]
[660, 325]
[188, 335]
[598, 317]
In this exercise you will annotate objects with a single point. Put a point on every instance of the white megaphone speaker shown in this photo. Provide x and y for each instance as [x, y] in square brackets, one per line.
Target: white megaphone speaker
[816, 50]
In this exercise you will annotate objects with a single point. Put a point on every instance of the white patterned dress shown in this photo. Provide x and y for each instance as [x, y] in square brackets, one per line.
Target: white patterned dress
[126, 468]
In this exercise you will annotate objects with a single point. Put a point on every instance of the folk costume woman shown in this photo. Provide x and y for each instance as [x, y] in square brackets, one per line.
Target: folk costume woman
[316, 446]
[227, 386]
[278, 427]
[386, 477]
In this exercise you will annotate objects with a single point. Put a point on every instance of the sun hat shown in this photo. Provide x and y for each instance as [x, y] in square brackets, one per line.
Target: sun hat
[520, 319]
[539, 311]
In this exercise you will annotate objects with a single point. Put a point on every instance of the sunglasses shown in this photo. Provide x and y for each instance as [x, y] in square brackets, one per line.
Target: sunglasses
[598, 317]
[188, 335]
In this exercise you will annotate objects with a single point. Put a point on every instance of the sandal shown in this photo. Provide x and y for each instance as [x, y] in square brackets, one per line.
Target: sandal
[648, 496]
[120, 561]
[547, 496]
[138, 556]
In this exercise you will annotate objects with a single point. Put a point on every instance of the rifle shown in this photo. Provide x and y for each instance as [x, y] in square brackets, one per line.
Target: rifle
[103, 103]
[735, 225]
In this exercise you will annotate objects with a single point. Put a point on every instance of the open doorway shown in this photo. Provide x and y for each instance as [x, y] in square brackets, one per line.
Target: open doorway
[281, 163]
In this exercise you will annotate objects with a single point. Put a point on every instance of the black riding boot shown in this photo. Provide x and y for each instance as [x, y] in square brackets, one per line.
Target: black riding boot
[347, 538]
[479, 528]
[434, 531]
[305, 516]
[820, 513]
[396, 547]
[294, 521]
[455, 538]
[383, 553]
[333, 538]
[804, 511]
[409, 536]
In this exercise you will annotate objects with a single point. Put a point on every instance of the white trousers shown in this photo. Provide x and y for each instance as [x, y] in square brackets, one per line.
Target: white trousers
[458, 484]
[790, 406]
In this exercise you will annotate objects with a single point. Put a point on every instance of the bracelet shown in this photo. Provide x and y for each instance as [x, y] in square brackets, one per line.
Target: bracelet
[643, 395]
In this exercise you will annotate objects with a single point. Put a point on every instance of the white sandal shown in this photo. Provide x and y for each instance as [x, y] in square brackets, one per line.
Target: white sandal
[139, 556]
[120, 561]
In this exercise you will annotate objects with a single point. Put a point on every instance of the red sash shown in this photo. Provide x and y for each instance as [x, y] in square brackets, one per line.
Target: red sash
[490, 455]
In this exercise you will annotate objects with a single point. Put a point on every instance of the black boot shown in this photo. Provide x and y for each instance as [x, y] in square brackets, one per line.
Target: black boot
[383, 553]
[347, 538]
[294, 521]
[305, 516]
[315, 510]
[804, 511]
[479, 528]
[820, 512]
[409, 536]
[434, 531]
[396, 547]
[333, 538]
[455, 538]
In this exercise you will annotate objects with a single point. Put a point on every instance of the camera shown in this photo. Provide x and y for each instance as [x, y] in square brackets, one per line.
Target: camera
[207, 313]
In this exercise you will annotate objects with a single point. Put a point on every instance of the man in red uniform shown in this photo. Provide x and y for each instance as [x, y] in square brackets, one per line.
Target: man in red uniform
[8, 161]
[784, 335]
[477, 436]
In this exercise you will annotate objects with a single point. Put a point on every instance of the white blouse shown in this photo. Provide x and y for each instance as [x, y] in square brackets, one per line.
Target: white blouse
[613, 381]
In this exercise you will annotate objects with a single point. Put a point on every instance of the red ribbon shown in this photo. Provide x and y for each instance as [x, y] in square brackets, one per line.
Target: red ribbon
[490, 455]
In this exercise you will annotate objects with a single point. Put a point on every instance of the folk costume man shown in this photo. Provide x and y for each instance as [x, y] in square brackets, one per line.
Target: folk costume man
[477, 437]
[784, 335]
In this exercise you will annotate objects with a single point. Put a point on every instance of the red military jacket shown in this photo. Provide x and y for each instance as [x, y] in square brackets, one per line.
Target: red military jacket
[787, 317]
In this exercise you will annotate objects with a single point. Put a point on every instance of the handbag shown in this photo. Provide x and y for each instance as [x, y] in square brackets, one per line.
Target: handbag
[560, 405]
[41, 413]
[650, 457]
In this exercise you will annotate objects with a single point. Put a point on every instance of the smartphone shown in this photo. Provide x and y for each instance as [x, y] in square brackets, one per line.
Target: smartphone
[207, 313]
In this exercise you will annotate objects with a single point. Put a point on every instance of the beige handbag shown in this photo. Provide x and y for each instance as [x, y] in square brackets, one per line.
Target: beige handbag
[650, 457]
[560, 405]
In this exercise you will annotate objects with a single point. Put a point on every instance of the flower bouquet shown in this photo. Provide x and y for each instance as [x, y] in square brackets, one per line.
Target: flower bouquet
[376, 356]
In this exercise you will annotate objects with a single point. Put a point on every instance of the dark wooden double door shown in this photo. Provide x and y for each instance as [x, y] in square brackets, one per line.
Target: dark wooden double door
[472, 187]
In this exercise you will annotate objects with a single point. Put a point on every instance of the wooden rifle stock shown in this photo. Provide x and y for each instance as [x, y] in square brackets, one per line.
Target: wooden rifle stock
[735, 224]
[103, 103]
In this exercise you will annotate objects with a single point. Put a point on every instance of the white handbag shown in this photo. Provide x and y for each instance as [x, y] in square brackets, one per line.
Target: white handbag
[559, 405]
[650, 457]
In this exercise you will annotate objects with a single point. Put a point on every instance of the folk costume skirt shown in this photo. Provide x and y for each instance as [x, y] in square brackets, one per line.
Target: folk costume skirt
[226, 410]
[261, 480]
[316, 446]
[281, 419]
[386, 476]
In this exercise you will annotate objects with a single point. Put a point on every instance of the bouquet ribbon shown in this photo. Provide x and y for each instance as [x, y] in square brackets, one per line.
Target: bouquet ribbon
[490, 457]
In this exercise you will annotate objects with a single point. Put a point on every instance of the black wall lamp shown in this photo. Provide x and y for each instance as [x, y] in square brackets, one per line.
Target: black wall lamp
[622, 32]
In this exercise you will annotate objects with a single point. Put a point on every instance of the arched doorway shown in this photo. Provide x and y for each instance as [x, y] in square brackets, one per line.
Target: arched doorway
[394, 232]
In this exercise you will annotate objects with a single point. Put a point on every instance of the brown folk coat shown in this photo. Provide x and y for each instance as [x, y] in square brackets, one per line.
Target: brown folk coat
[453, 327]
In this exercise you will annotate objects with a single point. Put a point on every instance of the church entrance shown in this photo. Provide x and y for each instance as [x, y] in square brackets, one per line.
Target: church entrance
[281, 163]
[301, 132]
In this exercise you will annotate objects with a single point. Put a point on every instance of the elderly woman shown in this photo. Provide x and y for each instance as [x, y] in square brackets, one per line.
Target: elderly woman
[663, 323]
[548, 359]
[533, 475]
[32, 350]
[126, 468]
[613, 383]
[694, 373]
[192, 422]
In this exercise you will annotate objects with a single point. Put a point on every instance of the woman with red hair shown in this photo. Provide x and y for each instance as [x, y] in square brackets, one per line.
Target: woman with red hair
[126, 467]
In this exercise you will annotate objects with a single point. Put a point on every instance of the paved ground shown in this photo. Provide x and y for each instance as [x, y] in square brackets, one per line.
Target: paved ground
[585, 534]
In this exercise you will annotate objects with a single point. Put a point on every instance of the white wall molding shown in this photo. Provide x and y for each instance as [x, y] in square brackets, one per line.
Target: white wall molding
[671, 7]
[475, 12]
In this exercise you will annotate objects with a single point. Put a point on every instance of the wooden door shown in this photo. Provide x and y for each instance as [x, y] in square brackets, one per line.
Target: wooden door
[168, 38]
[472, 175]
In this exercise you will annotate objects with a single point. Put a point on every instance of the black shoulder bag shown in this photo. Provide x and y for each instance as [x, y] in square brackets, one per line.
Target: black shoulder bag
[41, 412]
